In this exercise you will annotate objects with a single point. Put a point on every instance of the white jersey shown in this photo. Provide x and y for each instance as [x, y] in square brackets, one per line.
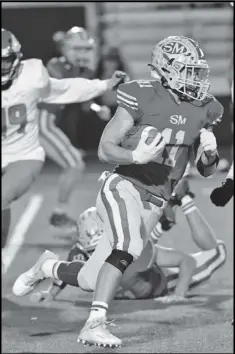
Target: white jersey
[20, 137]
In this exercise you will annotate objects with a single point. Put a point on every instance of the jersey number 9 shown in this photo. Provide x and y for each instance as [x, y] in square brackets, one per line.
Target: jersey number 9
[14, 115]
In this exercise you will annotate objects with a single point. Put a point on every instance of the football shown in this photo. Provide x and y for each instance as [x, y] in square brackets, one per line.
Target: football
[132, 138]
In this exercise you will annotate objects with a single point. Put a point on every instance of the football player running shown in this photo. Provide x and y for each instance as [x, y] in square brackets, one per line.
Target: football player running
[77, 60]
[171, 273]
[24, 84]
[133, 197]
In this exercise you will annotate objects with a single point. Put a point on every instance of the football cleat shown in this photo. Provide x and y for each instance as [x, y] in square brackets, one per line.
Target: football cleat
[95, 332]
[27, 281]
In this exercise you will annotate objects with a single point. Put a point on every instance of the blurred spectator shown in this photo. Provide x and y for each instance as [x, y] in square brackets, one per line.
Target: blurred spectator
[110, 61]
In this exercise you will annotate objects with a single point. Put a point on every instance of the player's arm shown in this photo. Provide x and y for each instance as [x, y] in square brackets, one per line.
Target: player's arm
[109, 149]
[208, 155]
[127, 115]
[54, 68]
[207, 152]
[66, 91]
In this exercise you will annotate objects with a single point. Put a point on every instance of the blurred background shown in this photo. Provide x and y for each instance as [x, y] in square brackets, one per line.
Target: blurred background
[124, 34]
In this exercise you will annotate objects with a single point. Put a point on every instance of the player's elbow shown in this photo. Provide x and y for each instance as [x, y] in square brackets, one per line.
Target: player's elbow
[207, 170]
[102, 152]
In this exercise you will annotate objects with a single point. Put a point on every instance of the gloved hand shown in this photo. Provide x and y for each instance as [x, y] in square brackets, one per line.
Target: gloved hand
[220, 196]
[118, 77]
[144, 152]
[208, 142]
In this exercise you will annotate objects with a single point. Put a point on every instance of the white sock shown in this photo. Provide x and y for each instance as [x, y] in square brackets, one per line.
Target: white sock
[187, 204]
[49, 268]
[98, 309]
[157, 232]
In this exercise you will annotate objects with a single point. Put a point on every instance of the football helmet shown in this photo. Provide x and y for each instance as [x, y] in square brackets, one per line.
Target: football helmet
[90, 229]
[180, 63]
[76, 46]
[11, 56]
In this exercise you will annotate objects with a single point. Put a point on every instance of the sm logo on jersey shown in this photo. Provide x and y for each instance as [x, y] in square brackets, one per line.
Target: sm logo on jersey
[177, 119]
[175, 48]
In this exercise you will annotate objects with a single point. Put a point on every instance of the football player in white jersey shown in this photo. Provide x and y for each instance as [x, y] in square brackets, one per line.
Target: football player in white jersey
[25, 83]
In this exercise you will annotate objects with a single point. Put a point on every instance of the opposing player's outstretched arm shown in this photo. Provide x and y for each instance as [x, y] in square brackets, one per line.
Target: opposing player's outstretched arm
[75, 90]
[109, 149]
[66, 91]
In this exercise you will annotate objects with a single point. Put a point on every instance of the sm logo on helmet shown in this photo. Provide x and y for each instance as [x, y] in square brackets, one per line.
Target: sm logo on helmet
[174, 48]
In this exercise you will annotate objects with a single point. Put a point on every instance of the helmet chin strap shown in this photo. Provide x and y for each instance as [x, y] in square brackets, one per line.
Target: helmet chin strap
[181, 96]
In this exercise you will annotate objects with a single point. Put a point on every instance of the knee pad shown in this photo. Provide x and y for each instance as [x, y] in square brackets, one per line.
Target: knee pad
[68, 272]
[120, 259]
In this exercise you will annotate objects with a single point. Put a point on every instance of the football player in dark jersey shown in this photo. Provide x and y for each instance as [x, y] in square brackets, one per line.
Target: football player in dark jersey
[77, 60]
[133, 197]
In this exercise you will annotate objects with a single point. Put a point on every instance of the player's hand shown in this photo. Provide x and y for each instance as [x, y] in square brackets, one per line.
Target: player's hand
[208, 142]
[221, 196]
[145, 153]
[118, 77]
[41, 296]
[104, 113]
[47, 295]
[169, 299]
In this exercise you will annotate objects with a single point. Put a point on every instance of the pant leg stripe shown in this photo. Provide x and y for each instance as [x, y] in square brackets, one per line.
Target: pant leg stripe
[109, 210]
[71, 150]
[204, 269]
[117, 215]
[71, 160]
[123, 213]
[48, 134]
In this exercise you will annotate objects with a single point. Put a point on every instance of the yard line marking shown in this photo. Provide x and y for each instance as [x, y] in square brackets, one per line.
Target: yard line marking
[19, 232]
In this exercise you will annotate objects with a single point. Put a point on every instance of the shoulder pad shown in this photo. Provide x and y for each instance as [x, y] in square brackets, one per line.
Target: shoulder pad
[207, 99]
[32, 64]
[35, 69]
[127, 94]
[132, 88]
[214, 110]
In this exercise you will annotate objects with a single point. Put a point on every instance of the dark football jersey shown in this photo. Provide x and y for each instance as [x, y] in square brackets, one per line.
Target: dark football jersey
[150, 103]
